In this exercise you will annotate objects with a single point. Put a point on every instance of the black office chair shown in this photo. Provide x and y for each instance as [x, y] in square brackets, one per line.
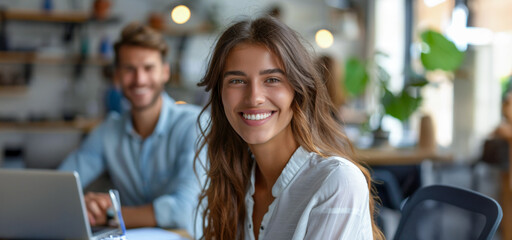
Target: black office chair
[389, 193]
[425, 214]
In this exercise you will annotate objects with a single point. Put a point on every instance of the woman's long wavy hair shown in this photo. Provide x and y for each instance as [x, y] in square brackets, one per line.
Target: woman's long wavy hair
[315, 125]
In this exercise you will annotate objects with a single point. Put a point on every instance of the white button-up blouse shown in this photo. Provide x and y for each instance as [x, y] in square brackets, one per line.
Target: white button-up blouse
[315, 198]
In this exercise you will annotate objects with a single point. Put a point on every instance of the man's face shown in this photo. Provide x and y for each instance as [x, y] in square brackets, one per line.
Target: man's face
[141, 75]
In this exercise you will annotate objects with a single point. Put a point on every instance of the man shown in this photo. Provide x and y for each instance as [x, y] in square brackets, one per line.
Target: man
[149, 150]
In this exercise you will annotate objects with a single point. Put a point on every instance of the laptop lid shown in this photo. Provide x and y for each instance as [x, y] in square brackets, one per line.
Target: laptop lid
[42, 204]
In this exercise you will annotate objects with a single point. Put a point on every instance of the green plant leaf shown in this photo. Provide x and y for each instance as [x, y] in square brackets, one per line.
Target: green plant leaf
[356, 77]
[401, 106]
[504, 82]
[388, 98]
[441, 53]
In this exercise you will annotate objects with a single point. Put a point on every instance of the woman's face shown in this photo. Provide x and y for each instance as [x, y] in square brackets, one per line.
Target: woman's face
[256, 94]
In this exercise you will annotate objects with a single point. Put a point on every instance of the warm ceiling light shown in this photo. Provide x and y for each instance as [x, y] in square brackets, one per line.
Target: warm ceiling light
[324, 38]
[180, 14]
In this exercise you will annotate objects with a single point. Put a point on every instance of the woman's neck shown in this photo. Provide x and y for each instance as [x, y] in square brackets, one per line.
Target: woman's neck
[272, 156]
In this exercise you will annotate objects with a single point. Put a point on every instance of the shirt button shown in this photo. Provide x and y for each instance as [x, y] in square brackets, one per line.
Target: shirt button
[250, 226]
[262, 228]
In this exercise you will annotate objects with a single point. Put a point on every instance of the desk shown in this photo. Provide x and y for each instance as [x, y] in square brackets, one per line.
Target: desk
[181, 232]
[399, 156]
[156, 233]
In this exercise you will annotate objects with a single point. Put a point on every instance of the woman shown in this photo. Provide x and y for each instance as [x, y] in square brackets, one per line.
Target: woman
[278, 163]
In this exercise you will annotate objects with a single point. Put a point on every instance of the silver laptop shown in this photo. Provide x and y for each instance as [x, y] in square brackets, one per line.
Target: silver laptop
[45, 204]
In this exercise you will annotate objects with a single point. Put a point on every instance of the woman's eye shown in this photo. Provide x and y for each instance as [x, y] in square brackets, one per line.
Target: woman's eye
[272, 80]
[236, 81]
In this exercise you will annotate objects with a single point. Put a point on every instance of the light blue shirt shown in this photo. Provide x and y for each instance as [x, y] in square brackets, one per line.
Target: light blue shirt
[315, 198]
[158, 169]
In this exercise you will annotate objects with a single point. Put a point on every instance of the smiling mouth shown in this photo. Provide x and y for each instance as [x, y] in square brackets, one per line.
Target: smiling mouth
[258, 116]
[140, 91]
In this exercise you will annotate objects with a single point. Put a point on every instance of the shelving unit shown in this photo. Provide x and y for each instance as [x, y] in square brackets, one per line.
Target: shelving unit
[13, 90]
[51, 16]
[76, 17]
[71, 21]
[14, 57]
[84, 125]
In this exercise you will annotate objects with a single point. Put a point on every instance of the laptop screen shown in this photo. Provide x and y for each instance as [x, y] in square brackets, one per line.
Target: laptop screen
[42, 204]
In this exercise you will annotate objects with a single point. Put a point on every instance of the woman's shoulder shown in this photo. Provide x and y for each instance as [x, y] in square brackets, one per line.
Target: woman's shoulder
[339, 172]
[334, 164]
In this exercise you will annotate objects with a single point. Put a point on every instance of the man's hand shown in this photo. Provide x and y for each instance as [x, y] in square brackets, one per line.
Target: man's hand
[97, 205]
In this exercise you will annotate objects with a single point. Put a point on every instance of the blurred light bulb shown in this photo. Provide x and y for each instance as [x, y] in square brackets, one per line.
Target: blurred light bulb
[324, 38]
[180, 14]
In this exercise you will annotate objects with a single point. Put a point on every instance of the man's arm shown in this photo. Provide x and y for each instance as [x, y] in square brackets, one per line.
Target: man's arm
[178, 208]
[98, 203]
[87, 160]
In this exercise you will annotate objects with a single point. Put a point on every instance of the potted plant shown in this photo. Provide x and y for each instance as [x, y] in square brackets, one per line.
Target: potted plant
[438, 53]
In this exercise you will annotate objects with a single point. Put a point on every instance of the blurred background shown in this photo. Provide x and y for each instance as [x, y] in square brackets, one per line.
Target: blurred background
[410, 75]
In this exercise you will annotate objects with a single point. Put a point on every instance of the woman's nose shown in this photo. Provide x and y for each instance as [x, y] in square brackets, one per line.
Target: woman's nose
[256, 94]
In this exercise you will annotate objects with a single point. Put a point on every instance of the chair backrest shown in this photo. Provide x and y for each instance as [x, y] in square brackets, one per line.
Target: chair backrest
[426, 201]
[388, 188]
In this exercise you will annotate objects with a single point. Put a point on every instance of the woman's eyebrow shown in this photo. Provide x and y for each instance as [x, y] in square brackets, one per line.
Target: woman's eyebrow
[234, 73]
[270, 71]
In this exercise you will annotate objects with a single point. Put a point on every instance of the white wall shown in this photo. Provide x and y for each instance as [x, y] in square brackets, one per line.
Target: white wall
[476, 103]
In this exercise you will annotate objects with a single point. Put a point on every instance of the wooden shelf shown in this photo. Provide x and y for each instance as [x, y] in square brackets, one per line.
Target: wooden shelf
[12, 57]
[16, 57]
[394, 156]
[51, 16]
[85, 125]
[13, 90]
[77, 17]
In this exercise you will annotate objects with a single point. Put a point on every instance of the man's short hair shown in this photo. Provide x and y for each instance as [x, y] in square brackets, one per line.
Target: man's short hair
[139, 35]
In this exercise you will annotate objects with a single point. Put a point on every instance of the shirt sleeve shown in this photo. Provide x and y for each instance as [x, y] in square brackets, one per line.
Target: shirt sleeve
[342, 211]
[87, 160]
[178, 209]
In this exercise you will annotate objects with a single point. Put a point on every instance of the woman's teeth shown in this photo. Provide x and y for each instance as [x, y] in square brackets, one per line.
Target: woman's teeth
[259, 116]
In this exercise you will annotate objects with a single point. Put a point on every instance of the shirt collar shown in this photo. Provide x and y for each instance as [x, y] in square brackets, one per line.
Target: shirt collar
[299, 157]
[162, 119]
[167, 101]
[253, 179]
[297, 160]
